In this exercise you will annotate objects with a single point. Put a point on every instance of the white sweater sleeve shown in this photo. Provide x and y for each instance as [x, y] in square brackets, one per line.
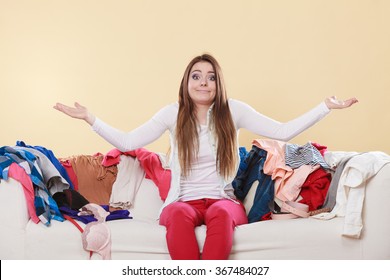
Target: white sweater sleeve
[140, 136]
[247, 117]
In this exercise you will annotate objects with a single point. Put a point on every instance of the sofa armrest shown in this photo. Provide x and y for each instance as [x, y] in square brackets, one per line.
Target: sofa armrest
[13, 208]
[14, 218]
[376, 212]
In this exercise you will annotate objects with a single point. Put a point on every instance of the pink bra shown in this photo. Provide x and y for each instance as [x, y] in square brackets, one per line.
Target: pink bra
[97, 235]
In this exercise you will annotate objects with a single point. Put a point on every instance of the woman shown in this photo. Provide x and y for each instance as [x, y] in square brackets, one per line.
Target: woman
[203, 127]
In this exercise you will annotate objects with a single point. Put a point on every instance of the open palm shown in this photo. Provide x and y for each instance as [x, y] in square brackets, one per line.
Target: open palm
[334, 103]
[78, 111]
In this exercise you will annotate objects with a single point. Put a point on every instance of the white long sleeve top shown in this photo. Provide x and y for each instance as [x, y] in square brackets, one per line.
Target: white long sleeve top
[244, 116]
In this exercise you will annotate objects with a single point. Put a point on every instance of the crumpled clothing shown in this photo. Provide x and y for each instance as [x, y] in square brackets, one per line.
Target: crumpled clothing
[151, 164]
[351, 189]
[94, 181]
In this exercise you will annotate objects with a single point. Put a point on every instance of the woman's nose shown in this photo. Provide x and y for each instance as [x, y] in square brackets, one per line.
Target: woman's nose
[203, 82]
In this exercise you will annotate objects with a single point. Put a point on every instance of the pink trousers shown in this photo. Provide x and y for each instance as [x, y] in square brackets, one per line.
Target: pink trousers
[220, 216]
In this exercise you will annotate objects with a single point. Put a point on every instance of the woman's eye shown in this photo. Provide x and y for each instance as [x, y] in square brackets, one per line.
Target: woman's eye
[195, 77]
[212, 78]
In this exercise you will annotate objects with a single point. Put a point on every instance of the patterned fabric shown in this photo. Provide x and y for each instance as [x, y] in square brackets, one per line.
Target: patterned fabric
[5, 163]
[50, 155]
[45, 206]
[296, 156]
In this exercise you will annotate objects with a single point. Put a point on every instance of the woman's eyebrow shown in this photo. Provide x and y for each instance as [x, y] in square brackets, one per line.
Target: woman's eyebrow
[209, 72]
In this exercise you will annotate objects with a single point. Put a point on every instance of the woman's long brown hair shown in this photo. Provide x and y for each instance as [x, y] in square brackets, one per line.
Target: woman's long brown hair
[221, 124]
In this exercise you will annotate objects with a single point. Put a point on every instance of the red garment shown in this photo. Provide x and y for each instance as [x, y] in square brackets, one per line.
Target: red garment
[266, 216]
[69, 169]
[315, 188]
[221, 216]
[313, 191]
[321, 148]
[151, 164]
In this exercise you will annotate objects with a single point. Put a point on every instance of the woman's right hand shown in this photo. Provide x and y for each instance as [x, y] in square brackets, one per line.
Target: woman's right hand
[77, 112]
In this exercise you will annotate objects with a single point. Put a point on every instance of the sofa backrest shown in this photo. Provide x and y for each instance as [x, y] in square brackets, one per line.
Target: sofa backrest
[147, 203]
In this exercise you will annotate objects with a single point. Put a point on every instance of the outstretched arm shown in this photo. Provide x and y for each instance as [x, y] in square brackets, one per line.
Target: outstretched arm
[77, 112]
[124, 141]
[248, 118]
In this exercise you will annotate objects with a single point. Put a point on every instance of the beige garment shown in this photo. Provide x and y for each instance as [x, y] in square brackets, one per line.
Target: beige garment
[94, 180]
[129, 179]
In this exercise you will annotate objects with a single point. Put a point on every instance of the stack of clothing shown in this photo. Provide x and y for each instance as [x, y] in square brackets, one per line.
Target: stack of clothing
[282, 172]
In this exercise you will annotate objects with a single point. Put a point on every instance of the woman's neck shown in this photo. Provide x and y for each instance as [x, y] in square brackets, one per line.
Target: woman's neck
[201, 114]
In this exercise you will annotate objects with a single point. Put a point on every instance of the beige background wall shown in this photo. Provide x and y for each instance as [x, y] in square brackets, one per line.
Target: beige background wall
[125, 59]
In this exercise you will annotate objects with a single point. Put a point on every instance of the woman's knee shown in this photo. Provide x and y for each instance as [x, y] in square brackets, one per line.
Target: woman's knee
[218, 212]
[227, 211]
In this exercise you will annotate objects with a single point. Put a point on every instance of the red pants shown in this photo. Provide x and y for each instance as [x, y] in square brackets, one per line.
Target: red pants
[220, 216]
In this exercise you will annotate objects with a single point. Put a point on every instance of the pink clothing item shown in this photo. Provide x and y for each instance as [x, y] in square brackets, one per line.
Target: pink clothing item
[151, 164]
[287, 181]
[274, 164]
[18, 173]
[97, 235]
[292, 187]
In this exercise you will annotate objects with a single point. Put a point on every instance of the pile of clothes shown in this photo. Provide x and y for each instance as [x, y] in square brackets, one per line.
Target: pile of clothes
[291, 181]
[282, 172]
[91, 189]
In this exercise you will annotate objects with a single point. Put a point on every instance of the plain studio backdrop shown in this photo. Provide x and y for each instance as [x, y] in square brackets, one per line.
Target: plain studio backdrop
[124, 60]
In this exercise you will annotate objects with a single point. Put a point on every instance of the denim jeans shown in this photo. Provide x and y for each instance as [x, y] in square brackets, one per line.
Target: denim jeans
[251, 171]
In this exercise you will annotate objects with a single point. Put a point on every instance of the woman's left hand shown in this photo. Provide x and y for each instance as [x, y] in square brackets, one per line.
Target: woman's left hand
[334, 103]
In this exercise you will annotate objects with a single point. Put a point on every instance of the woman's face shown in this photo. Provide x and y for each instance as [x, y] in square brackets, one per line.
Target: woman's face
[201, 83]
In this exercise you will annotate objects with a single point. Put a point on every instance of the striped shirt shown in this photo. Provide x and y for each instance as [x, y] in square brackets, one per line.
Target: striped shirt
[296, 156]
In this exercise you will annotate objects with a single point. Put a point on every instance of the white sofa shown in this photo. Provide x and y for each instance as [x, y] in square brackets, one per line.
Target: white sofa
[143, 238]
